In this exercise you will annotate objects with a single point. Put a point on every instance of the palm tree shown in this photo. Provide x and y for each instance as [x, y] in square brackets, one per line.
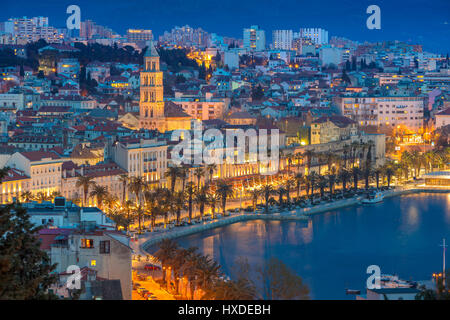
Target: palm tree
[199, 173]
[309, 155]
[225, 191]
[213, 199]
[312, 179]
[100, 193]
[344, 177]
[165, 253]
[331, 178]
[123, 178]
[367, 172]
[183, 174]
[211, 168]
[321, 184]
[41, 196]
[172, 173]
[299, 179]
[355, 173]
[177, 200]
[27, 196]
[136, 186]
[201, 200]
[55, 194]
[85, 182]
[150, 199]
[190, 271]
[389, 172]
[289, 184]
[254, 194]
[281, 191]
[190, 191]
[208, 271]
[267, 190]
[127, 206]
[110, 200]
[377, 173]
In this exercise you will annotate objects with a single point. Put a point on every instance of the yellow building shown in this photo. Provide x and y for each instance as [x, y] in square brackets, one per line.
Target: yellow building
[333, 128]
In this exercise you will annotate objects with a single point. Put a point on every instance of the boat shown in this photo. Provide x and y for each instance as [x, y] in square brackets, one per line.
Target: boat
[393, 281]
[350, 291]
[375, 197]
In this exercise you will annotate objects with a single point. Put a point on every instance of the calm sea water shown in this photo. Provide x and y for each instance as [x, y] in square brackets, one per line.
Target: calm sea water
[332, 251]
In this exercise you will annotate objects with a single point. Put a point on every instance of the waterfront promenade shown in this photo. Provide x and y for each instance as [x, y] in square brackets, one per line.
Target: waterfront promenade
[146, 240]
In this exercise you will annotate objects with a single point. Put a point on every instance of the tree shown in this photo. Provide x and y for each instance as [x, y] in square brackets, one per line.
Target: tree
[267, 190]
[299, 179]
[190, 191]
[289, 184]
[25, 270]
[257, 93]
[225, 191]
[199, 173]
[136, 186]
[345, 77]
[167, 249]
[123, 178]
[344, 177]
[254, 194]
[100, 193]
[213, 199]
[279, 282]
[85, 183]
[389, 173]
[27, 196]
[211, 168]
[281, 191]
[172, 173]
[355, 173]
[177, 200]
[201, 200]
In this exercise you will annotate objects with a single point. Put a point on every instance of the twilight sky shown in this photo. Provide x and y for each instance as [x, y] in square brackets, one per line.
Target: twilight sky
[425, 22]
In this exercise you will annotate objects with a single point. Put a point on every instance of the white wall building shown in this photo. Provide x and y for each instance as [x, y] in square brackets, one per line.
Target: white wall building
[317, 35]
[282, 39]
[385, 111]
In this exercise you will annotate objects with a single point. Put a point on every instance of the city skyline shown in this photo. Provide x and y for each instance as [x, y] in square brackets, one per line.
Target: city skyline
[420, 23]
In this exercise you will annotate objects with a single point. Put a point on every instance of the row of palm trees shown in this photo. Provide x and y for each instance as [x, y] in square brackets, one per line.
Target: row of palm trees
[197, 276]
[153, 202]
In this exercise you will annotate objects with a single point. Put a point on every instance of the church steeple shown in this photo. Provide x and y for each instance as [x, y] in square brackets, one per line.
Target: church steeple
[151, 104]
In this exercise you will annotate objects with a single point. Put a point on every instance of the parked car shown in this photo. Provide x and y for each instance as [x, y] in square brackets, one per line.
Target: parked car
[144, 292]
[136, 285]
[140, 290]
[151, 267]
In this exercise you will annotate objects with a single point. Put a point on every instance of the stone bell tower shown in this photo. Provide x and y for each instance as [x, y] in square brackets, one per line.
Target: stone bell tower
[151, 103]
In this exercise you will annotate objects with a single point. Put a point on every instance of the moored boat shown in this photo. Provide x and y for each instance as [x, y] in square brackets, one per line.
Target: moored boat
[375, 197]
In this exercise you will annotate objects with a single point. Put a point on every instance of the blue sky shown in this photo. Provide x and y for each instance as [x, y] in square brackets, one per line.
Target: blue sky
[415, 21]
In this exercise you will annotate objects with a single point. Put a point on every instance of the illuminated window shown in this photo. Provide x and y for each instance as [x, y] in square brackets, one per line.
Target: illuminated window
[87, 243]
[93, 263]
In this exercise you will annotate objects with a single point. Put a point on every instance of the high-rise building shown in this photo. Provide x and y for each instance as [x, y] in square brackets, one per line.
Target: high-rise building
[317, 35]
[151, 104]
[186, 37]
[89, 29]
[32, 29]
[282, 39]
[137, 35]
[254, 39]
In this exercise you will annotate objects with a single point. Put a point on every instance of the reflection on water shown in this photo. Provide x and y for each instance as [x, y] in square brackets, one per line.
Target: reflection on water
[332, 250]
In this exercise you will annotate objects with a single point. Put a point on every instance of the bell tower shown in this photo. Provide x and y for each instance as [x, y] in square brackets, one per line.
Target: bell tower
[151, 102]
